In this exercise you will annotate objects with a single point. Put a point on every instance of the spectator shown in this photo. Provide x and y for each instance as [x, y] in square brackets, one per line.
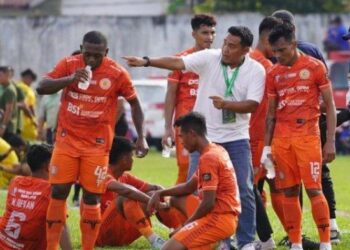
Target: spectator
[334, 39]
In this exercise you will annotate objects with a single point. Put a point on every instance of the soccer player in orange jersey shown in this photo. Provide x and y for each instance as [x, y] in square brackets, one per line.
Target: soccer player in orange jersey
[123, 219]
[216, 216]
[85, 132]
[256, 132]
[294, 85]
[23, 223]
[182, 89]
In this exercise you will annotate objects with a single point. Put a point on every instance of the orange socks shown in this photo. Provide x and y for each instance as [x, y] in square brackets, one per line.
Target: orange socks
[90, 223]
[320, 212]
[135, 215]
[277, 204]
[55, 220]
[292, 215]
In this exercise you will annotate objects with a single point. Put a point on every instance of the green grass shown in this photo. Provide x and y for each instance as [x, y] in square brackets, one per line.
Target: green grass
[156, 169]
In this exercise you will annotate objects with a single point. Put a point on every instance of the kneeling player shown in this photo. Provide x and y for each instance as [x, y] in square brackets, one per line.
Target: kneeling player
[123, 215]
[216, 216]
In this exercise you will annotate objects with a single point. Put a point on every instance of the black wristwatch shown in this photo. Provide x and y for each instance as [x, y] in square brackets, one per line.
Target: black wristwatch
[148, 61]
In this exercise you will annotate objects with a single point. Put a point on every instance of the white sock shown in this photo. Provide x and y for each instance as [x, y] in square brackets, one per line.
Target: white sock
[152, 237]
[334, 225]
[297, 245]
[325, 245]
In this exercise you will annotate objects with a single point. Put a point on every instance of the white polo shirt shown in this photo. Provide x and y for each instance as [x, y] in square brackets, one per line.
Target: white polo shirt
[249, 85]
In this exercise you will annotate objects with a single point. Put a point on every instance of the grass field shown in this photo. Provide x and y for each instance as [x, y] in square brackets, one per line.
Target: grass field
[156, 169]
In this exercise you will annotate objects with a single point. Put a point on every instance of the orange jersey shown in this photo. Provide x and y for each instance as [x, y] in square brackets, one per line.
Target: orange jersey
[215, 172]
[108, 196]
[257, 119]
[187, 88]
[297, 91]
[88, 116]
[23, 225]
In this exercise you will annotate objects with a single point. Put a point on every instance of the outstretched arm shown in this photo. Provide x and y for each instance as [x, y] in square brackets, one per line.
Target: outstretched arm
[170, 62]
[128, 191]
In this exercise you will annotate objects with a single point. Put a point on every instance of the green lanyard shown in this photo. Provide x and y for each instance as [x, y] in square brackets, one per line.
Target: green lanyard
[230, 82]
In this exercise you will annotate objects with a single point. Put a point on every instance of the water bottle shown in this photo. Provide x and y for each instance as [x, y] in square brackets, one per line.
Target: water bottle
[85, 84]
[270, 168]
[166, 152]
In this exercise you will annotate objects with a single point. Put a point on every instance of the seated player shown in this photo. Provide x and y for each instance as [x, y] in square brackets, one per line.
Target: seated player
[23, 223]
[123, 215]
[216, 216]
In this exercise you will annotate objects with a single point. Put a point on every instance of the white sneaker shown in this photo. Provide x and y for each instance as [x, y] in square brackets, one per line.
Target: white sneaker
[325, 246]
[249, 246]
[267, 245]
[222, 245]
[296, 247]
[335, 236]
[157, 243]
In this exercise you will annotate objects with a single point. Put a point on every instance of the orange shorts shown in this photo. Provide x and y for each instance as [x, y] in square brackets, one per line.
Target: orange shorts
[173, 218]
[207, 230]
[115, 229]
[91, 171]
[256, 149]
[298, 159]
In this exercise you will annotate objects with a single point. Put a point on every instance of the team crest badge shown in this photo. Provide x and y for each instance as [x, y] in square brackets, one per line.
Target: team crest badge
[304, 74]
[105, 83]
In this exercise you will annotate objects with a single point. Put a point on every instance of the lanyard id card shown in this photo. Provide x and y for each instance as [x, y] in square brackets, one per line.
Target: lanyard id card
[229, 116]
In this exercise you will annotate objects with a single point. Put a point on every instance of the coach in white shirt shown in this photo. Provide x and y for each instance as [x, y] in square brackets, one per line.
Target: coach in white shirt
[231, 86]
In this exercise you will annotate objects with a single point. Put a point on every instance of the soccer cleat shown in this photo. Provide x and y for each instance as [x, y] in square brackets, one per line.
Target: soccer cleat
[284, 242]
[296, 247]
[249, 246]
[335, 236]
[308, 244]
[267, 245]
[325, 246]
[157, 243]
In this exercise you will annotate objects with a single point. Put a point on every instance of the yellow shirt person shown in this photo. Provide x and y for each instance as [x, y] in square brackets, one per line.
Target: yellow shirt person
[8, 162]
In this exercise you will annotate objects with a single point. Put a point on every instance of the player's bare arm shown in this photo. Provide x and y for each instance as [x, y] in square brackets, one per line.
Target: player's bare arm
[178, 190]
[170, 100]
[331, 118]
[170, 62]
[242, 107]
[270, 121]
[137, 117]
[206, 206]
[128, 191]
[49, 86]
[7, 117]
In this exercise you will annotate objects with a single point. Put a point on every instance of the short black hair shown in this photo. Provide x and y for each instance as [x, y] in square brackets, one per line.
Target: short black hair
[194, 121]
[244, 33]
[202, 19]
[120, 147]
[284, 15]
[29, 72]
[95, 37]
[268, 23]
[285, 30]
[4, 69]
[38, 156]
[76, 52]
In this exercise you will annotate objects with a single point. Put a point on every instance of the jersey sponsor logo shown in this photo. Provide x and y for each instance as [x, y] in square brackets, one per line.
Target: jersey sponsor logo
[280, 78]
[192, 82]
[206, 176]
[193, 92]
[105, 83]
[190, 226]
[304, 74]
[101, 174]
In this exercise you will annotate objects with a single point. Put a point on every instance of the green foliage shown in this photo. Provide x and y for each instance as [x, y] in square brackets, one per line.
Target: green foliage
[264, 6]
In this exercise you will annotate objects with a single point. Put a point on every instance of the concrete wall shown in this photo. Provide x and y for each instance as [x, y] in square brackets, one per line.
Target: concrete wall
[39, 43]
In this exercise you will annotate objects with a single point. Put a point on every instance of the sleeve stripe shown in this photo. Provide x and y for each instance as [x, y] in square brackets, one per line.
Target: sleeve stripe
[131, 96]
[173, 80]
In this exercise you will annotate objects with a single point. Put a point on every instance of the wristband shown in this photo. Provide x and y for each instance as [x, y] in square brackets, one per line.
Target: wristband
[148, 61]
